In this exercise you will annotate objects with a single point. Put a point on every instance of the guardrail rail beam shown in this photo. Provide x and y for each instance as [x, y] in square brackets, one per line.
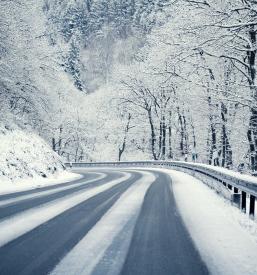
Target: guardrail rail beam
[234, 188]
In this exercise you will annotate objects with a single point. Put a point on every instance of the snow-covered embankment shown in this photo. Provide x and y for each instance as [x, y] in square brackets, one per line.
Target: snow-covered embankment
[27, 161]
[225, 237]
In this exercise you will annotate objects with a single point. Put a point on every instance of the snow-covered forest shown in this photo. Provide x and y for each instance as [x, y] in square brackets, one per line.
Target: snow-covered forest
[101, 80]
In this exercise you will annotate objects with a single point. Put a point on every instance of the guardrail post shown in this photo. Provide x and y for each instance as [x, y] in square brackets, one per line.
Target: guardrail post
[243, 201]
[252, 205]
[236, 197]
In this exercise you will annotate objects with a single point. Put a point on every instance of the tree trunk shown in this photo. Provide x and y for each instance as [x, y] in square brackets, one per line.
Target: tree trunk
[163, 154]
[252, 129]
[123, 146]
[213, 145]
[153, 136]
[185, 135]
[53, 144]
[226, 148]
[60, 141]
[181, 143]
[213, 134]
[252, 139]
[160, 139]
[170, 136]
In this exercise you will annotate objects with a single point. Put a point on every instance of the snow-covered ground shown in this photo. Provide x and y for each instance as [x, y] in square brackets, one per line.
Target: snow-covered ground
[225, 237]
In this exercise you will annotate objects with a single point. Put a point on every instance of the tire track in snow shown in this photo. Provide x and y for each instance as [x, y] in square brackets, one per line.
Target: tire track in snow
[161, 243]
[46, 184]
[39, 250]
[15, 208]
[121, 218]
[24, 222]
[40, 193]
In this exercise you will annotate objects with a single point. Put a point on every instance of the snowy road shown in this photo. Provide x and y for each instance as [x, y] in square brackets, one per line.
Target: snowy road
[134, 210]
[110, 221]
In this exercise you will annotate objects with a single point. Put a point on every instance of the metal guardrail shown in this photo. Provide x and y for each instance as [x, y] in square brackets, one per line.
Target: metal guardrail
[239, 189]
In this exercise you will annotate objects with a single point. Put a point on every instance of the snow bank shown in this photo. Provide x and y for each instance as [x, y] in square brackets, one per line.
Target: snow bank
[225, 237]
[24, 155]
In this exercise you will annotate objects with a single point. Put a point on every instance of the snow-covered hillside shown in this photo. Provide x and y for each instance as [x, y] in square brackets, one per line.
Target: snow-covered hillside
[127, 80]
[24, 155]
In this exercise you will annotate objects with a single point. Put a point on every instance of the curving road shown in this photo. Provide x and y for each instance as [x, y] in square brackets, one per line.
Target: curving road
[128, 218]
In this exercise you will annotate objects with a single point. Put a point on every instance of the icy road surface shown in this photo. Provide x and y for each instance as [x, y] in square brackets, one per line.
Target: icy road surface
[119, 221]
